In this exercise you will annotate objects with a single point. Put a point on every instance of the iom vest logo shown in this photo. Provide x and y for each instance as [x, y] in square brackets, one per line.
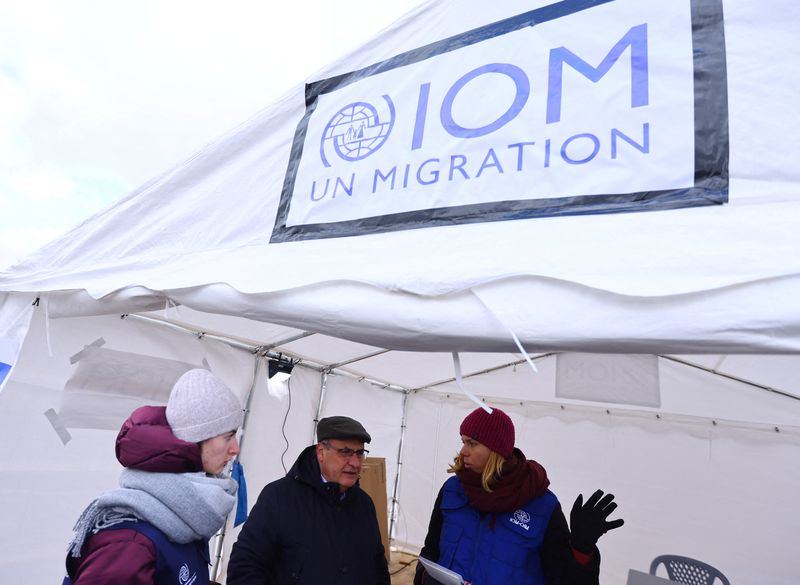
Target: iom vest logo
[577, 107]
[357, 131]
[185, 577]
[521, 518]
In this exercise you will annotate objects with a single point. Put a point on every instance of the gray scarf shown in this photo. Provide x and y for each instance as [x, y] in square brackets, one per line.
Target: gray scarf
[184, 506]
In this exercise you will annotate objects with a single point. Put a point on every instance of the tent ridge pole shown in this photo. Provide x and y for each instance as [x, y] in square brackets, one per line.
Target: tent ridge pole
[359, 358]
[297, 337]
[484, 371]
[729, 376]
[379, 383]
[196, 332]
[266, 350]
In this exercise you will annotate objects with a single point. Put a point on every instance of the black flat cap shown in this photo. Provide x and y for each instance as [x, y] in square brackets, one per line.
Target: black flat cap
[341, 427]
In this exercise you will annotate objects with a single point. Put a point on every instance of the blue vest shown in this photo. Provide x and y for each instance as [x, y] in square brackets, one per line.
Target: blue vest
[498, 549]
[176, 564]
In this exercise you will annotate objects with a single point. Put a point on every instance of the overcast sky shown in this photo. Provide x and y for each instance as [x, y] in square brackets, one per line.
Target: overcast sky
[98, 96]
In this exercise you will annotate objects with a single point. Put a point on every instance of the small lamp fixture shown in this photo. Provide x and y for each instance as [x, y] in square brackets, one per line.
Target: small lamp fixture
[279, 369]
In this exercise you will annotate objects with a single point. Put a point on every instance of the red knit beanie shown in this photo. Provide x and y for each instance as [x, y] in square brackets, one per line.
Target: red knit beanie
[495, 430]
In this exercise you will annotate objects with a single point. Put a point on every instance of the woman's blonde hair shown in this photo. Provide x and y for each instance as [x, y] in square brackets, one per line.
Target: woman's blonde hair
[491, 472]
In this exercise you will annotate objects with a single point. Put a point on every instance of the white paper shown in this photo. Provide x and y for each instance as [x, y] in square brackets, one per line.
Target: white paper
[442, 574]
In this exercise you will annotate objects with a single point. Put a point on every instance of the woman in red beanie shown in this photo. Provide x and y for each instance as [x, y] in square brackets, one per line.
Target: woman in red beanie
[496, 523]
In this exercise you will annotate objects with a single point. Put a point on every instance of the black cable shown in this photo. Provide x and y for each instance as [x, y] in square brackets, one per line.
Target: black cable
[404, 567]
[283, 426]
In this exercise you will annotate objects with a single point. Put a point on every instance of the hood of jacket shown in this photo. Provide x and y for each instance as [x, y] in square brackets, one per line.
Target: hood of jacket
[146, 442]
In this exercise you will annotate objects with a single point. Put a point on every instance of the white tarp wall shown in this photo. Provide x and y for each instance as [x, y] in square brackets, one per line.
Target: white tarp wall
[709, 478]
[45, 483]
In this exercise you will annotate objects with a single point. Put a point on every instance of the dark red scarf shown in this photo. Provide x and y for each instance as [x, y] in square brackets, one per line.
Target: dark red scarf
[520, 481]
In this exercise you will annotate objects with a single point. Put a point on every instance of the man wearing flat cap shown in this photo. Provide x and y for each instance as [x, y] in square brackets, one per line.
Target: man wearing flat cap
[315, 525]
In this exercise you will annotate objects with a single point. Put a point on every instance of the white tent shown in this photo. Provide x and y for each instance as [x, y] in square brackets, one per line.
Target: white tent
[606, 187]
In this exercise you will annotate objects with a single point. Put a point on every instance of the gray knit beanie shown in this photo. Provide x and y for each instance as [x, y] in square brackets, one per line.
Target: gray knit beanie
[201, 406]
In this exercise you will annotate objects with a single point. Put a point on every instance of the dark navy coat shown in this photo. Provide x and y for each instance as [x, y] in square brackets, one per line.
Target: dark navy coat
[301, 531]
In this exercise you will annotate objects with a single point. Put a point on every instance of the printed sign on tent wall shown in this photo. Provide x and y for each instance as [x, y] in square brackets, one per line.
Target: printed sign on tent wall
[576, 107]
[617, 378]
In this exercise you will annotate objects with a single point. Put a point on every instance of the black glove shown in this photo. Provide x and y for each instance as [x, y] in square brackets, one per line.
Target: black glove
[587, 522]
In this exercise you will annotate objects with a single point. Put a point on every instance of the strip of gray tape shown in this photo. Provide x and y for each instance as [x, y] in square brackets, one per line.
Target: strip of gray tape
[58, 426]
[99, 342]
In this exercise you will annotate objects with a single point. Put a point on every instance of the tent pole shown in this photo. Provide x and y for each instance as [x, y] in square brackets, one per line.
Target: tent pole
[267, 351]
[399, 469]
[484, 371]
[247, 403]
[728, 376]
[323, 388]
[220, 536]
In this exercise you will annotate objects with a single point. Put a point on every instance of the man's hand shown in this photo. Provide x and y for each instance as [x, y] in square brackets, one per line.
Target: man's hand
[588, 522]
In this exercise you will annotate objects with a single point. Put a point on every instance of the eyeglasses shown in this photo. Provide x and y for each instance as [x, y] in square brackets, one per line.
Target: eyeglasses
[347, 452]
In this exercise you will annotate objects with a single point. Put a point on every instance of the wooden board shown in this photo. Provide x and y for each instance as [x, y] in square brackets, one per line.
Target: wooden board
[373, 481]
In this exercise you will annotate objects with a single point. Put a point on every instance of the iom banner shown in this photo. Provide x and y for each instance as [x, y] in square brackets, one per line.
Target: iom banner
[576, 107]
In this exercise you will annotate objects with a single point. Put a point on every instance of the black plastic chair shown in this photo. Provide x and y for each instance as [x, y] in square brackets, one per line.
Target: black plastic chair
[688, 571]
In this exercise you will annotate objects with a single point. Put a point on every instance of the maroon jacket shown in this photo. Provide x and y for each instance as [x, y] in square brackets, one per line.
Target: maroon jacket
[144, 442]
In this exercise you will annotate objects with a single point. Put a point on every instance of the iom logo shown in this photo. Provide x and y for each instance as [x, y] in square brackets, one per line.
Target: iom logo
[357, 131]
[521, 518]
[185, 576]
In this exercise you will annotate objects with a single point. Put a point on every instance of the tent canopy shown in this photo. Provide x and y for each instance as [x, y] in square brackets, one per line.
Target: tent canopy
[668, 233]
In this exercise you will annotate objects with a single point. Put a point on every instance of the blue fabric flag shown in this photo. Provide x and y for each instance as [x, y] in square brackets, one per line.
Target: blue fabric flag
[5, 369]
[15, 319]
[237, 473]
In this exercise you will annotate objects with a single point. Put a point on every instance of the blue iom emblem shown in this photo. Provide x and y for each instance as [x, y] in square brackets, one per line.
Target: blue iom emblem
[356, 131]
